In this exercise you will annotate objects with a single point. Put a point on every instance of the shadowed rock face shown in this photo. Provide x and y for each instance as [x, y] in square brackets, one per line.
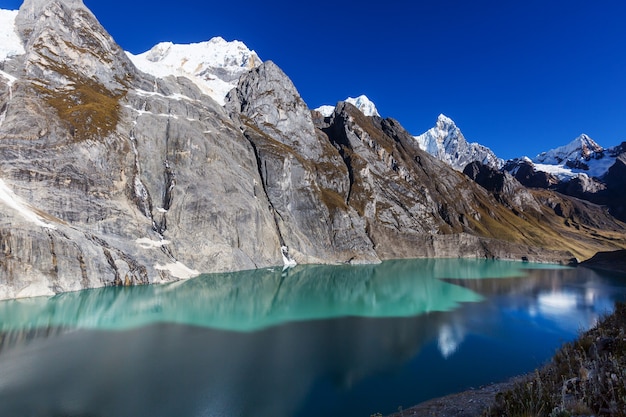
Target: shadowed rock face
[304, 176]
[615, 180]
[109, 176]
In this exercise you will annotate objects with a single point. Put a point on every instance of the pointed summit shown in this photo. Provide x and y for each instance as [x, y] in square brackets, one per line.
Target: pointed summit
[446, 142]
[445, 123]
[581, 148]
[581, 156]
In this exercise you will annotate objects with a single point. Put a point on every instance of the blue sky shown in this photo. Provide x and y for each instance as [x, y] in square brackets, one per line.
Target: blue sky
[518, 76]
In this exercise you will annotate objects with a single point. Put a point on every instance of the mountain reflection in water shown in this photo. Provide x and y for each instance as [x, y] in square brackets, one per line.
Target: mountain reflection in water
[314, 340]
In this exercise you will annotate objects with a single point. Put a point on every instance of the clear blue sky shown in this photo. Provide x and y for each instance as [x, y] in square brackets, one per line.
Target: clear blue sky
[518, 76]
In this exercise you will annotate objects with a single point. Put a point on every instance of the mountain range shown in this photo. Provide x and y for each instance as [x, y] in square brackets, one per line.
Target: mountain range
[121, 169]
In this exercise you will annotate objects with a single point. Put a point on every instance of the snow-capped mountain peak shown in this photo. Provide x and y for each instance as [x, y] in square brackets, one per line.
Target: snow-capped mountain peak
[361, 102]
[326, 110]
[364, 104]
[216, 52]
[581, 156]
[215, 65]
[446, 142]
[581, 148]
[445, 123]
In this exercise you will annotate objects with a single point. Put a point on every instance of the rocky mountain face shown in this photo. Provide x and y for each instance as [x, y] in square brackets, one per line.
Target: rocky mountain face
[579, 158]
[581, 169]
[446, 142]
[113, 176]
[303, 175]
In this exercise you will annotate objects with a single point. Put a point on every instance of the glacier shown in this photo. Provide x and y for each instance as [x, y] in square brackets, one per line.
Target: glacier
[214, 66]
[582, 156]
[10, 42]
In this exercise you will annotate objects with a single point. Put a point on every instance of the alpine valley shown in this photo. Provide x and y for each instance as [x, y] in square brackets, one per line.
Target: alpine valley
[118, 169]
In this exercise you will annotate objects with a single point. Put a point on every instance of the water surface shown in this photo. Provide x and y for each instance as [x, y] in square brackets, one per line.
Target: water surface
[310, 341]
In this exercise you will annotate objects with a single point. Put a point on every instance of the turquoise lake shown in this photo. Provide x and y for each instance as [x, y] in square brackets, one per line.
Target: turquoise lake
[307, 341]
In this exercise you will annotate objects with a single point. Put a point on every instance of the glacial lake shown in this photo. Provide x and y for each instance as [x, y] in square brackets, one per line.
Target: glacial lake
[308, 341]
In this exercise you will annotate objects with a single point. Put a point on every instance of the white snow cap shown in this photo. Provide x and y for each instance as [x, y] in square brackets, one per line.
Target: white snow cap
[361, 102]
[215, 65]
[326, 111]
[446, 143]
[10, 42]
[444, 122]
[581, 156]
[582, 147]
[364, 104]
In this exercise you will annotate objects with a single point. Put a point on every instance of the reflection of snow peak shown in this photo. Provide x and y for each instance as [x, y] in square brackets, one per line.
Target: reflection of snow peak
[449, 339]
[557, 302]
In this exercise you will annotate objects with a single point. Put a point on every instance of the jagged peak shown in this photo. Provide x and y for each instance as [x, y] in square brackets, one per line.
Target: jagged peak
[581, 147]
[30, 10]
[446, 142]
[444, 122]
[585, 141]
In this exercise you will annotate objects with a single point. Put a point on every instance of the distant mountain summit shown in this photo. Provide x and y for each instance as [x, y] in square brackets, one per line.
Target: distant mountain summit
[446, 142]
[581, 156]
[581, 148]
[361, 102]
[215, 65]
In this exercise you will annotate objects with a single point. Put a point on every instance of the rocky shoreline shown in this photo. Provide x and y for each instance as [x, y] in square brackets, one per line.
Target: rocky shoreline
[470, 403]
